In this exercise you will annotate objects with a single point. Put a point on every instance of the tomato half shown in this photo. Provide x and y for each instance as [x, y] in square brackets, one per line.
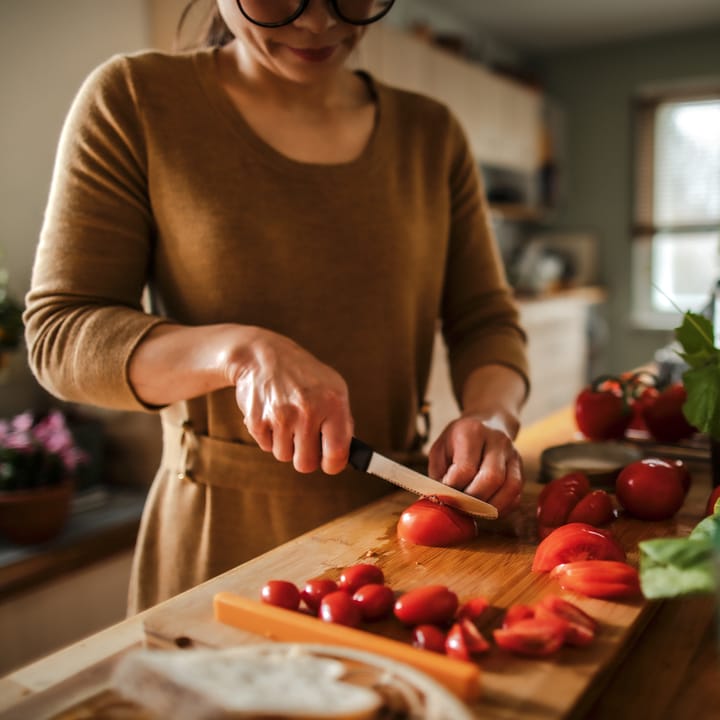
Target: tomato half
[472, 609]
[427, 605]
[517, 612]
[375, 601]
[464, 640]
[650, 489]
[581, 626]
[664, 417]
[356, 576]
[576, 541]
[339, 607]
[429, 522]
[598, 578]
[281, 593]
[596, 508]
[536, 637]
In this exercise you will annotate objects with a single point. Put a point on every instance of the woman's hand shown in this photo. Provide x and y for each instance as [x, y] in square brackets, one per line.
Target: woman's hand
[476, 455]
[295, 406]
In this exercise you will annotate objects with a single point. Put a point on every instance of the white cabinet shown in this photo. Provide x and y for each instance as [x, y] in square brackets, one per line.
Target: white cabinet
[502, 117]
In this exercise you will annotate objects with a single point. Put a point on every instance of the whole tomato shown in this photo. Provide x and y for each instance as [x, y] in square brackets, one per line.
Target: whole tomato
[602, 411]
[664, 417]
[281, 593]
[429, 637]
[650, 489]
[427, 605]
[339, 607]
[355, 576]
[375, 601]
[315, 590]
[428, 522]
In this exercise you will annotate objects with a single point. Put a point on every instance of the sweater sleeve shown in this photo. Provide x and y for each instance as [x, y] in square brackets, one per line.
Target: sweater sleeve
[84, 315]
[480, 318]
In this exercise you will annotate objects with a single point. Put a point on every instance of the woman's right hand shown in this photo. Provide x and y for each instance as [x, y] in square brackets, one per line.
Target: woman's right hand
[294, 406]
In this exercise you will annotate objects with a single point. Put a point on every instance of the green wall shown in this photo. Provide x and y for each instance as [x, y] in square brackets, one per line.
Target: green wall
[594, 88]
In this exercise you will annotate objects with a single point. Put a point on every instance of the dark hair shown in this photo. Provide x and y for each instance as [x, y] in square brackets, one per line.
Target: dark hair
[213, 30]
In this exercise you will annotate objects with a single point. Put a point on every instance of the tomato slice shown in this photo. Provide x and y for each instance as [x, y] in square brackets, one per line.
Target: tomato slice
[429, 522]
[464, 640]
[581, 626]
[535, 637]
[518, 612]
[596, 508]
[576, 541]
[598, 578]
[472, 609]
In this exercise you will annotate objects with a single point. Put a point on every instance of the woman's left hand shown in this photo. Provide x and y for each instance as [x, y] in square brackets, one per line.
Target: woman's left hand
[476, 455]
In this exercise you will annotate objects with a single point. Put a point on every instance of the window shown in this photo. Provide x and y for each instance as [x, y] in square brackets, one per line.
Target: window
[676, 232]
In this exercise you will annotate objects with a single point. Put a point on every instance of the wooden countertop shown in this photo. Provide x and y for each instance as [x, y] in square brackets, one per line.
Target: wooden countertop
[671, 671]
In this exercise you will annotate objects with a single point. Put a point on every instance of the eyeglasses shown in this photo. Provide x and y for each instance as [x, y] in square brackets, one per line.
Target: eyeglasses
[276, 13]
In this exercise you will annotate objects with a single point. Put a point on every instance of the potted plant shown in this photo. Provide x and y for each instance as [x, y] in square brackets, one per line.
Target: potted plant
[38, 462]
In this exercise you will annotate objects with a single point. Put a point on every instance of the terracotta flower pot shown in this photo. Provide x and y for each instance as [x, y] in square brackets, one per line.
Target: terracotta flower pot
[37, 515]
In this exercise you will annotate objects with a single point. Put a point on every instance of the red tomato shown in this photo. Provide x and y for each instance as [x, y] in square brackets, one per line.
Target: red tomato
[375, 601]
[714, 497]
[559, 497]
[650, 489]
[428, 605]
[602, 414]
[646, 397]
[315, 590]
[581, 627]
[464, 640]
[429, 522]
[535, 636]
[596, 508]
[685, 477]
[472, 609]
[356, 576]
[281, 593]
[664, 417]
[576, 541]
[516, 613]
[339, 607]
[598, 578]
[429, 637]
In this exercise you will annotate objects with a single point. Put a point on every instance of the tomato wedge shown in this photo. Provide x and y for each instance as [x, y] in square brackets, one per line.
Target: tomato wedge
[472, 609]
[581, 627]
[596, 508]
[576, 541]
[598, 578]
[535, 637]
[518, 612]
[464, 640]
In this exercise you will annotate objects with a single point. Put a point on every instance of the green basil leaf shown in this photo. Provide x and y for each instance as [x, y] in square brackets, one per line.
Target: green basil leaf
[702, 407]
[695, 334]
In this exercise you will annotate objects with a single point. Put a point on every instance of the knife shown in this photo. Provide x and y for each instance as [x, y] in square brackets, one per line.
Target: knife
[365, 459]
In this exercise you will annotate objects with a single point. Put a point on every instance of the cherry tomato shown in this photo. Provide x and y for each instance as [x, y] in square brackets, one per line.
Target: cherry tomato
[650, 489]
[602, 414]
[472, 609]
[315, 590]
[685, 477]
[714, 497]
[339, 607]
[429, 522]
[281, 593]
[375, 601]
[464, 640]
[427, 605]
[429, 637]
[518, 612]
[581, 627]
[598, 578]
[558, 498]
[576, 541]
[535, 637]
[664, 417]
[596, 508]
[356, 576]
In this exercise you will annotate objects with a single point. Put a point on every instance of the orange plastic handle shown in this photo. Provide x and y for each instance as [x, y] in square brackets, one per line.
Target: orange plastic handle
[276, 623]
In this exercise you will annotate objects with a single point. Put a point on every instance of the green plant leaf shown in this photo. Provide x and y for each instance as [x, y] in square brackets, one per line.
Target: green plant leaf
[696, 337]
[702, 407]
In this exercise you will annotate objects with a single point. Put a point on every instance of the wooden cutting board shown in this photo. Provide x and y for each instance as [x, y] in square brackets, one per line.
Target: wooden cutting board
[496, 565]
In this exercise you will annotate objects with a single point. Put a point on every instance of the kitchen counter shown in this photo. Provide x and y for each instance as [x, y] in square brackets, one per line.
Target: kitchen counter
[670, 670]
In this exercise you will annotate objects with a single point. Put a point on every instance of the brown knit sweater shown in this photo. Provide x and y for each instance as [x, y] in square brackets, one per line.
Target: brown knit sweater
[159, 182]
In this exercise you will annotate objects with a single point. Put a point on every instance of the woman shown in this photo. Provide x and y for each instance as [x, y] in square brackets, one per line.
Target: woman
[299, 228]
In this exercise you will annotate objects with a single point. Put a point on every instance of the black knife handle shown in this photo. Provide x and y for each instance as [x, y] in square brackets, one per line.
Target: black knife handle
[360, 454]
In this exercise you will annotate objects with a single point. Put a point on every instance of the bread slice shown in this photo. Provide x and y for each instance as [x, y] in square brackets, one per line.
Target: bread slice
[260, 681]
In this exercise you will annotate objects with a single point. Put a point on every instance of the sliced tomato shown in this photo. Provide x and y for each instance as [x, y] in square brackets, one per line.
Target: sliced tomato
[518, 612]
[430, 522]
[598, 578]
[557, 500]
[464, 640]
[576, 541]
[472, 609]
[535, 637]
[581, 626]
[596, 508]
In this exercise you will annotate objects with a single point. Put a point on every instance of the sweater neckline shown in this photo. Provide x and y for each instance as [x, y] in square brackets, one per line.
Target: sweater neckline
[205, 64]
